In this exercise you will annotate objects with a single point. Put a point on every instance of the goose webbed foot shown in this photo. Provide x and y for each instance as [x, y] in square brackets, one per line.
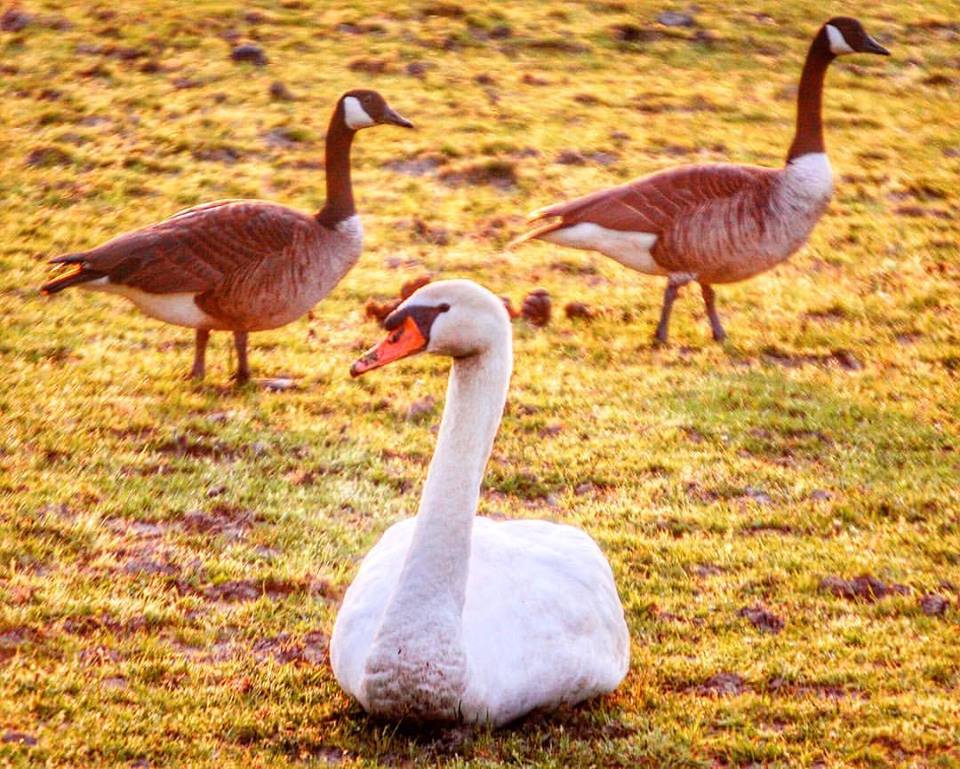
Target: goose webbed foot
[709, 300]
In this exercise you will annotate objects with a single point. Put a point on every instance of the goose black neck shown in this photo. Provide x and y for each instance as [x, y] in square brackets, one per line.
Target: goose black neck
[809, 134]
[339, 205]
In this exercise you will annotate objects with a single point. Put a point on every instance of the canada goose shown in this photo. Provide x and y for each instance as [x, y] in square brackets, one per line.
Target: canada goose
[454, 617]
[240, 265]
[716, 223]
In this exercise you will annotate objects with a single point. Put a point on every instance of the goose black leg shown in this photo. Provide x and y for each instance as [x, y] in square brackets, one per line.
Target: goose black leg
[243, 367]
[200, 354]
[674, 284]
[709, 299]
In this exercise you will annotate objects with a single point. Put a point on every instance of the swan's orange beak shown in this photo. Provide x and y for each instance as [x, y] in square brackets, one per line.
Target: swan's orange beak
[403, 341]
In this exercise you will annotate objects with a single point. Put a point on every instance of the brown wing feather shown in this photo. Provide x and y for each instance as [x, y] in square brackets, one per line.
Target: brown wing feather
[653, 203]
[659, 204]
[200, 249]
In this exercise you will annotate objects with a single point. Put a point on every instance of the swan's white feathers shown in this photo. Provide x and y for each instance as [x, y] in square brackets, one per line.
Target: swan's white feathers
[542, 622]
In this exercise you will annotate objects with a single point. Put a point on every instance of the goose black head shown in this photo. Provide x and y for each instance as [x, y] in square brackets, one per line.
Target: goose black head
[847, 35]
[363, 108]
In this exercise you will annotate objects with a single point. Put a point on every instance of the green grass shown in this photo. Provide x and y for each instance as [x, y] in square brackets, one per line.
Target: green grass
[172, 556]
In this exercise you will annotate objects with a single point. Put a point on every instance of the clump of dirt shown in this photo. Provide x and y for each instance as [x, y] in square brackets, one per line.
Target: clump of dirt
[429, 233]
[280, 92]
[378, 311]
[410, 287]
[762, 618]
[537, 307]
[444, 10]
[631, 33]
[866, 587]
[250, 53]
[579, 311]
[48, 157]
[934, 605]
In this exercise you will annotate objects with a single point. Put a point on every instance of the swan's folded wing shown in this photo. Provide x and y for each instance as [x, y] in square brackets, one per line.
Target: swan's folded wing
[543, 624]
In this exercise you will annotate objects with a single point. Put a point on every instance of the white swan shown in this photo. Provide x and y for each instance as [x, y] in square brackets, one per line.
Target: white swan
[453, 617]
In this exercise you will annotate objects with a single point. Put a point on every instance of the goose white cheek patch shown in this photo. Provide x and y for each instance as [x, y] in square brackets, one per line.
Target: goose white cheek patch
[838, 43]
[354, 115]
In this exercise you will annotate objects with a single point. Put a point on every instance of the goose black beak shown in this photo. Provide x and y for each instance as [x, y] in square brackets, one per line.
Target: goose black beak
[389, 116]
[872, 46]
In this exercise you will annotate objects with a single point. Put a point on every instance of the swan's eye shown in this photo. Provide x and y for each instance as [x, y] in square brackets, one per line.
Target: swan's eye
[443, 307]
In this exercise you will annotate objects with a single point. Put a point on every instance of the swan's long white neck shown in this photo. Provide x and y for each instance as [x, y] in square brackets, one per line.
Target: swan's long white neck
[434, 575]
[417, 664]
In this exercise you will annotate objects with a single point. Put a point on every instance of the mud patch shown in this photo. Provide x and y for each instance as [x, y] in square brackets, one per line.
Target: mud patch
[418, 165]
[781, 687]
[197, 447]
[498, 173]
[284, 649]
[18, 738]
[222, 519]
[842, 358]
[934, 605]
[866, 588]
[762, 618]
[722, 685]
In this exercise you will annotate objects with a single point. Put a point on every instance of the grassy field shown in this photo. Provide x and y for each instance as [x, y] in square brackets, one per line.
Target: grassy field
[172, 555]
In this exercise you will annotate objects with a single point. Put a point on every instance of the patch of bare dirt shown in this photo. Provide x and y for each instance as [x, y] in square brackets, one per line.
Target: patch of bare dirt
[89, 624]
[780, 686]
[704, 570]
[222, 519]
[197, 447]
[866, 587]
[723, 684]
[14, 638]
[843, 358]
[433, 234]
[497, 172]
[242, 590]
[579, 311]
[934, 605]
[13, 737]
[285, 649]
[370, 66]
[762, 618]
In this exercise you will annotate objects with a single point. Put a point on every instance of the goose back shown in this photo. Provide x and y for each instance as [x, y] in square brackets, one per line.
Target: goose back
[248, 265]
[719, 223]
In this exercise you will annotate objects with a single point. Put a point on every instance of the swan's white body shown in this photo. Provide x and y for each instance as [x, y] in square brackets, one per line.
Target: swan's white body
[453, 617]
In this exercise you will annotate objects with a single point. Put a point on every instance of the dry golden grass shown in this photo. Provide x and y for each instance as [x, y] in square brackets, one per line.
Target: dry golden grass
[171, 555]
